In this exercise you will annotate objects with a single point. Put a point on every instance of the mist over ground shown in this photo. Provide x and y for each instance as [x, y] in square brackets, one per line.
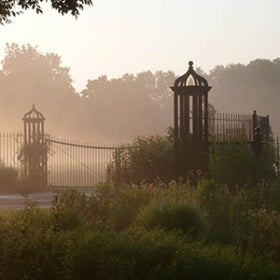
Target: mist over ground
[119, 109]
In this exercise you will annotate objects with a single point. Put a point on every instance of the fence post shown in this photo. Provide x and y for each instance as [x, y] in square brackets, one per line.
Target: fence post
[118, 166]
[257, 144]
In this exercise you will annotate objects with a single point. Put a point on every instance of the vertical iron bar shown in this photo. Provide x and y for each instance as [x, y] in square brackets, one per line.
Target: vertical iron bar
[206, 120]
[176, 163]
[195, 119]
[200, 116]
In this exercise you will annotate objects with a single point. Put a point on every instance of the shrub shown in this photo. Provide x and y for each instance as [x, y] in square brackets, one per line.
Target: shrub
[116, 207]
[215, 201]
[127, 205]
[146, 159]
[107, 206]
[69, 209]
[30, 249]
[232, 164]
[136, 254]
[219, 263]
[156, 254]
[237, 165]
[265, 231]
[172, 216]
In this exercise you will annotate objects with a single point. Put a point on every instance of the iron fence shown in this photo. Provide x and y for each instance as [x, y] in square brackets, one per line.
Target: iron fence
[11, 144]
[70, 163]
[230, 127]
[77, 164]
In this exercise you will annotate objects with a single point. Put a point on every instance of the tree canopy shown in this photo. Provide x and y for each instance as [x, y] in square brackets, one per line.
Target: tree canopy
[130, 105]
[12, 8]
[28, 77]
[239, 88]
[117, 109]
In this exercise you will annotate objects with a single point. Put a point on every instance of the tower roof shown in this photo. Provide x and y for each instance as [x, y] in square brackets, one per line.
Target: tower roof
[33, 114]
[190, 78]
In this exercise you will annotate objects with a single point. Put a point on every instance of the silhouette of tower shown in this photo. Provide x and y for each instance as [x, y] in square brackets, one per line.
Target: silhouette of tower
[35, 149]
[190, 122]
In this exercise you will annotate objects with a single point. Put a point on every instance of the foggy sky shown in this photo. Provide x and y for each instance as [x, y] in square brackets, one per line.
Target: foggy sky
[116, 37]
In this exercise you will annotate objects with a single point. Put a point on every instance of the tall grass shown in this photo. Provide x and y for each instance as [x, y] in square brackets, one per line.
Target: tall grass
[145, 232]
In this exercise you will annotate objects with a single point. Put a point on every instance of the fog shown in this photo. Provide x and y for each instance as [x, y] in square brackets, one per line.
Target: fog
[119, 109]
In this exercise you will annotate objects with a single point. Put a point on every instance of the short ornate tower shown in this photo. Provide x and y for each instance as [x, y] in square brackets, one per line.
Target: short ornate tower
[34, 151]
[190, 122]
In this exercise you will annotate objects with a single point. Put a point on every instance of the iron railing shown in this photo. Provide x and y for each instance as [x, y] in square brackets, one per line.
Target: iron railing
[11, 144]
[230, 127]
[77, 164]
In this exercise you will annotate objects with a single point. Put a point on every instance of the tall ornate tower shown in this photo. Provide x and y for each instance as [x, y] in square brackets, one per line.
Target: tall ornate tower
[190, 122]
[35, 150]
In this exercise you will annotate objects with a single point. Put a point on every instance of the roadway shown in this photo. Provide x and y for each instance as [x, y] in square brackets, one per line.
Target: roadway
[42, 200]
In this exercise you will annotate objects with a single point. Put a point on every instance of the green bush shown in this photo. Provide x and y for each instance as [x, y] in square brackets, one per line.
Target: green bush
[265, 231]
[215, 200]
[172, 216]
[236, 165]
[116, 207]
[119, 206]
[69, 209]
[232, 164]
[147, 159]
[156, 254]
[137, 254]
[107, 206]
[36, 245]
[219, 263]
[127, 205]
[30, 249]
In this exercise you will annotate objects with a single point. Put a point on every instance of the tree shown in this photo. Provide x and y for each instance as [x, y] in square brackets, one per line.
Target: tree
[28, 77]
[12, 8]
[131, 105]
[239, 88]
[147, 160]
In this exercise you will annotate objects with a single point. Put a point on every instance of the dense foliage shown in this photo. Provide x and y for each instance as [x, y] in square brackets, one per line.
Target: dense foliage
[160, 232]
[146, 160]
[236, 164]
[151, 159]
[12, 8]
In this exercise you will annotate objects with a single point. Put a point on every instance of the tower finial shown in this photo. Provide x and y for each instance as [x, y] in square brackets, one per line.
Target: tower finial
[191, 64]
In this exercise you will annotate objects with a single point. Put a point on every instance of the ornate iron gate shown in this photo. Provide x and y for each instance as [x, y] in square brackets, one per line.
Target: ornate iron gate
[48, 161]
[77, 164]
[53, 162]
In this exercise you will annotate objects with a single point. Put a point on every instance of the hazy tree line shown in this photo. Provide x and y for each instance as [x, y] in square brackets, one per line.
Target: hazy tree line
[241, 88]
[119, 109]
